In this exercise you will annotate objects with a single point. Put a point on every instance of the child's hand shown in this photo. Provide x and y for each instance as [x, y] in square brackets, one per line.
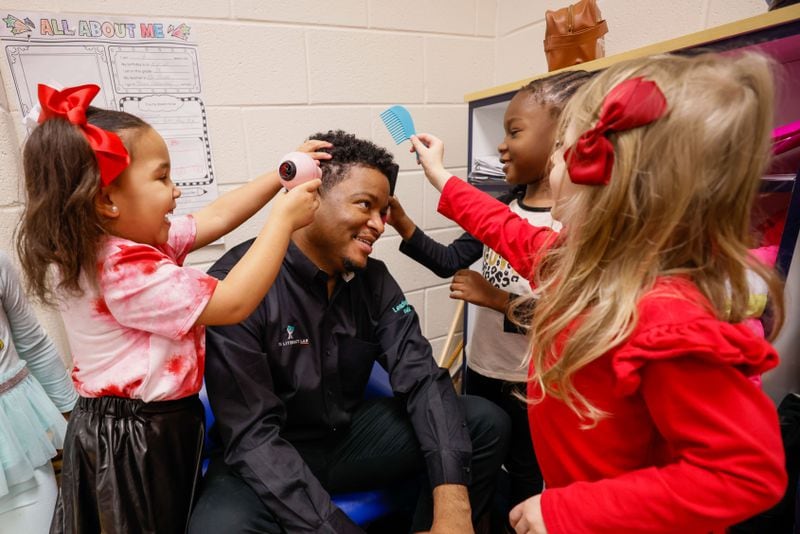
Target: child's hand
[430, 151]
[526, 517]
[297, 207]
[397, 218]
[471, 287]
[312, 147]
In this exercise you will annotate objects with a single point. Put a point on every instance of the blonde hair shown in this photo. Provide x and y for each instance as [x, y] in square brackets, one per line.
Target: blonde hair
[678, 204]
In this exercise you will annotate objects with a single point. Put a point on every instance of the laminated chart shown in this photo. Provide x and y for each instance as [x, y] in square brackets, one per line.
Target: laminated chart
[145, 67]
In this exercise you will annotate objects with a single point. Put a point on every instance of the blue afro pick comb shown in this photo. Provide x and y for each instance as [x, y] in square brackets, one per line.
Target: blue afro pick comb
[399, 123]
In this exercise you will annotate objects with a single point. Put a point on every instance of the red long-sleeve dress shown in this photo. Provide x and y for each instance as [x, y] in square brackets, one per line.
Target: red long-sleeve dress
[691, 446]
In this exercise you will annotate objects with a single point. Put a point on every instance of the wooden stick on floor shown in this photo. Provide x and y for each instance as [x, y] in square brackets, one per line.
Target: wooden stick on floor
[458, 319]
[448, 363]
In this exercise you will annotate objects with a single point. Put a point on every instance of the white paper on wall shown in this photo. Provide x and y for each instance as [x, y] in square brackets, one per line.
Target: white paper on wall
[149, 68]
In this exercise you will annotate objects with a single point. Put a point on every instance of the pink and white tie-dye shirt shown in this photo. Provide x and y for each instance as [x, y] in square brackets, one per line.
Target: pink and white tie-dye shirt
[134, 336]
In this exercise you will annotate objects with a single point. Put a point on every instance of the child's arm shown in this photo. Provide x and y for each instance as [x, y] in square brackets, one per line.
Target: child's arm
[32, 343]
[726, 458]
[486, 218]
[430, 151]
[471, 286]
[448, 260]
[443, 260]
[233, 208]
[239, 293]
[527, 516]
[399, 219]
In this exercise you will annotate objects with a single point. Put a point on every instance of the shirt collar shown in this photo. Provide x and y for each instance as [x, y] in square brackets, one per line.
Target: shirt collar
[306, 268]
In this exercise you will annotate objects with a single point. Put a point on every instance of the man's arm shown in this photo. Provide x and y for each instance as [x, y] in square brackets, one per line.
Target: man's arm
[431, 402]
[249, 417]
[451, 510]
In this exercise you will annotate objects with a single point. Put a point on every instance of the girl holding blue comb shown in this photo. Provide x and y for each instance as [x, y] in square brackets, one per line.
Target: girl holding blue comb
[497, 348]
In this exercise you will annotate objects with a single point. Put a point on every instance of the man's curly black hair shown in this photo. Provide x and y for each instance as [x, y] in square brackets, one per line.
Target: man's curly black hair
[348, 151]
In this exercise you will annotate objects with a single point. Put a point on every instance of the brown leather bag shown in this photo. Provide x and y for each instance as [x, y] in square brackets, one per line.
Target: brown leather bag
[574, 35]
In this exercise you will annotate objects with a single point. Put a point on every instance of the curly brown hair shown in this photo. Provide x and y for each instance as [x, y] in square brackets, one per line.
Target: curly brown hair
[348, 151]
[60, 226]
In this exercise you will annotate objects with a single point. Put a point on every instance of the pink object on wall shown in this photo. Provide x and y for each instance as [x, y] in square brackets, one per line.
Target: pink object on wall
[786, 137]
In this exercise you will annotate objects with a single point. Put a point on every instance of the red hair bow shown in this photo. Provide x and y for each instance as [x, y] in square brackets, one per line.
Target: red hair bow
[70, 104]
[632, 103]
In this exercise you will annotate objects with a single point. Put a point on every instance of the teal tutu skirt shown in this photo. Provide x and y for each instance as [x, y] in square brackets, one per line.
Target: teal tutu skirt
[31, 429]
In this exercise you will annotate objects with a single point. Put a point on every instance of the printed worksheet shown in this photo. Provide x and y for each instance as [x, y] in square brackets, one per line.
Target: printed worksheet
[149, 68]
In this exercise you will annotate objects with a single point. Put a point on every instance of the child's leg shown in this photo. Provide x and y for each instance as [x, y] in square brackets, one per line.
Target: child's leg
[523, 468]
[521, 464]
[77, 506]
[170, 466]
[34, 516]
[130, 463]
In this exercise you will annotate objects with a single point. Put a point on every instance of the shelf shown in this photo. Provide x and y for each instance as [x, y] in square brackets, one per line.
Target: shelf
[781, 183]
[707, 38]
[494, 188]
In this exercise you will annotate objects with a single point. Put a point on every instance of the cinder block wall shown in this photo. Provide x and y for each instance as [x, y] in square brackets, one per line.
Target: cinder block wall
[275, 71]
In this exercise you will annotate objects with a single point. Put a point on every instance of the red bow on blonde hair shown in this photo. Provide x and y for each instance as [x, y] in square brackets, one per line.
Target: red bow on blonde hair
[71, 104]
[630, 104]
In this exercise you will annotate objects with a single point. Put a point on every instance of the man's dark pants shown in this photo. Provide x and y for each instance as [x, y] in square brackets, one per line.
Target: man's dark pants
[379, 449]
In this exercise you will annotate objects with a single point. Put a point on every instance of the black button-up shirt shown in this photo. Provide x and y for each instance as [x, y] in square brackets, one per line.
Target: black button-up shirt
[297, 368]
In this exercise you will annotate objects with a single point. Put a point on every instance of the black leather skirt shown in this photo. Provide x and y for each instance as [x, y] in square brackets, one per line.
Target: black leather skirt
[130, 466]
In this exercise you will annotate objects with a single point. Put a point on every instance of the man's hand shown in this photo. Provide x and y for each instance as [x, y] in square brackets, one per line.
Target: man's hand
[452, 513]
[526, 517]
[472, 287]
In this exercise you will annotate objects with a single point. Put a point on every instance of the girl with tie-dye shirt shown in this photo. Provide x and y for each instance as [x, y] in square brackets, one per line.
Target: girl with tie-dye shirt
[96, 239]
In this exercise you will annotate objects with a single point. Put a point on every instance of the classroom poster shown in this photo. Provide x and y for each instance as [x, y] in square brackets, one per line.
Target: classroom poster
[147, 67]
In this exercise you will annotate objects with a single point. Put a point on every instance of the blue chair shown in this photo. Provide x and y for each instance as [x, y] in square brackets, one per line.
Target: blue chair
[362, 507]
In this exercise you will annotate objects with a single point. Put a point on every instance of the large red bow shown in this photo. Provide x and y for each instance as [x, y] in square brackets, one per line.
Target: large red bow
[630, 104]
[70, 104]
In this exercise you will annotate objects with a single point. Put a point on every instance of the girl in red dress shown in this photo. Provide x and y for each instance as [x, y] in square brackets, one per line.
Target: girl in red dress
[642, 415]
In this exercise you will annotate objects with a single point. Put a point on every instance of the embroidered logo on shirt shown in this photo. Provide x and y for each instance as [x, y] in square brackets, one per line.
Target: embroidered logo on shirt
[290, 340]
[404, 307]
